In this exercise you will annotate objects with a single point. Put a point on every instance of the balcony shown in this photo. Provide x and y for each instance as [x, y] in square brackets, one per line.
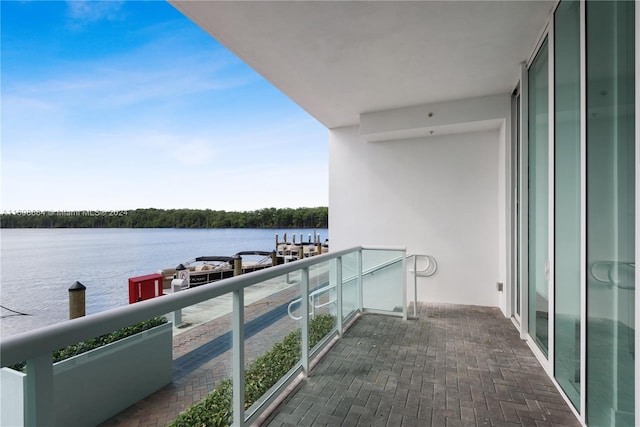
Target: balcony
[451, 365]
[455, 365]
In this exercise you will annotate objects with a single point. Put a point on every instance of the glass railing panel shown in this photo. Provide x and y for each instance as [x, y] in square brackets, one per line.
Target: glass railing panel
[322, 303]
[319, 276]
[202, 352]
[350, 302]
[382, 280]
[272, 337]
[322, 291]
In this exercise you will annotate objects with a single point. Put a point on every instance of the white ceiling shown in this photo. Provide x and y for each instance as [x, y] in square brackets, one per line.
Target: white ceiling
[339, 59]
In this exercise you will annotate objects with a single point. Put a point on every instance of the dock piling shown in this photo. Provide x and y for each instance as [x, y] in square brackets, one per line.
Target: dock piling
[237, 265]
[77, 300]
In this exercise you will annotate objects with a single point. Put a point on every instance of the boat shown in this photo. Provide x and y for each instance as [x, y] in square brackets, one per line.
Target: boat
[208, 269]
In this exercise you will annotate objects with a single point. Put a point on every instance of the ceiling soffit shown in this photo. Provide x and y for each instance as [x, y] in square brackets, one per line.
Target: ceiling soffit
[338, 60]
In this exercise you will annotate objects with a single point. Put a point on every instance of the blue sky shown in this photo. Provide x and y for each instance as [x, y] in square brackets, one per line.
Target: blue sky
[123, 105]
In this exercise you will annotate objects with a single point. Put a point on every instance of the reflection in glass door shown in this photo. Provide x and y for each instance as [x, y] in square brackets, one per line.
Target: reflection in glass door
[567, 239]
[610, 213]
[538, 196]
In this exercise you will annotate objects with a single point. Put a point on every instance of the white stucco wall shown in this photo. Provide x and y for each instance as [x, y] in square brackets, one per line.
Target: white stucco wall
[435, 195]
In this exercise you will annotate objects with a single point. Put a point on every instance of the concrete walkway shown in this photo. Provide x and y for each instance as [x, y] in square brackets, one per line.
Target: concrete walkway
[455, 366]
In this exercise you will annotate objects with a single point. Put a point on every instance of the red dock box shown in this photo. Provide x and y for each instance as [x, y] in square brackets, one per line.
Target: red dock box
[145, 287]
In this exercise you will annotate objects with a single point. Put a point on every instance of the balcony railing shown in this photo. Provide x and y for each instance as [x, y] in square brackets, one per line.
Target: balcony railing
[354, 281]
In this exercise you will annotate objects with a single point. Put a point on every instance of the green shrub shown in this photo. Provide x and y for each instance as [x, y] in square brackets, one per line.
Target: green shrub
[93, 343]
[260, 376]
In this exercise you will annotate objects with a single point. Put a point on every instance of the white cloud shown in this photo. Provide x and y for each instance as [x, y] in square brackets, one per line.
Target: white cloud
[124, 83]
[82, 12]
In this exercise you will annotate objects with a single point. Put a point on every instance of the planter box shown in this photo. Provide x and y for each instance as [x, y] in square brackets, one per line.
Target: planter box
[96, 385]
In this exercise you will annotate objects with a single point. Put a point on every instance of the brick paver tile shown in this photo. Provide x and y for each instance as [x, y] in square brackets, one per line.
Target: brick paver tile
[454, 366]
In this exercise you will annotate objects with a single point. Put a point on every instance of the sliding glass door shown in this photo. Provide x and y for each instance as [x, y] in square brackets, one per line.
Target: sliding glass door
[610, 76]
[567, 202]
[538, 197]
[575, 210]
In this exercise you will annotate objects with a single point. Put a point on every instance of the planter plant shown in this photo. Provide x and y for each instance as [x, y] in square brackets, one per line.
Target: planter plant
[97, 378]
[93, 343]
[260, 376]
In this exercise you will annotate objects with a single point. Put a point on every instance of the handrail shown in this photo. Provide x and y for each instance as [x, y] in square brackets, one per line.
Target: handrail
[383, 248]
[329, 287]
[26, 345]
[429, 270]
[312, 296]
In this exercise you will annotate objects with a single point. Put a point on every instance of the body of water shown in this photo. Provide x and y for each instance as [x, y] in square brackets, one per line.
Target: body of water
[39, 265]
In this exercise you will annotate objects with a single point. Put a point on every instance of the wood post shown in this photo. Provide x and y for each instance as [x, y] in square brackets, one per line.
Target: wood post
[77, 300]
[237, 266]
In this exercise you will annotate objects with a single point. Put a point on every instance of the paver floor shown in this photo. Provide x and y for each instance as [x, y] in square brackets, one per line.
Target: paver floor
[454, 366]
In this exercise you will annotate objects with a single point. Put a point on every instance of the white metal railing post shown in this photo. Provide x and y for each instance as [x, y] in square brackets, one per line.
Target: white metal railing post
[39, 404]
[404, 284]
[339, 295]
[415, 285]
[359, 281]
[238, 357]
[304, 313]
[176, 286]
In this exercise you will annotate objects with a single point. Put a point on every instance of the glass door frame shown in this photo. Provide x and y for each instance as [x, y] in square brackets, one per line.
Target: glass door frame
[547, 361]
[523, 195]
[514, 307]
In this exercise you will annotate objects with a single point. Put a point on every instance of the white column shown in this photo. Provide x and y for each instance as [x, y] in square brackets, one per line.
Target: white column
[40, 410]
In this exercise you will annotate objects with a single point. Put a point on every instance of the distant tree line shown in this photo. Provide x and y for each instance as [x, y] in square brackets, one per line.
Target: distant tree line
[170, 218]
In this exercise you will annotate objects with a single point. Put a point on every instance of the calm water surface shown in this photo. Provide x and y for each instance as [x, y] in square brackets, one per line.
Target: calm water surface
[39, 265]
